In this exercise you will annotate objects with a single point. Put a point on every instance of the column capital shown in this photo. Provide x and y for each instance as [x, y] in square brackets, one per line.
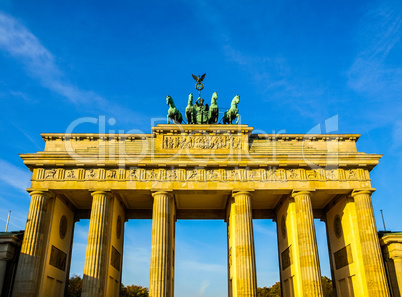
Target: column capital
[158, 193]
[247, 193]
[297, 193]
[361, 192]
[102, 192]
[38, 192]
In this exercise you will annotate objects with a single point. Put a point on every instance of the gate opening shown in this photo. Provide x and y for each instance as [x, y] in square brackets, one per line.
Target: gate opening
[201, 258]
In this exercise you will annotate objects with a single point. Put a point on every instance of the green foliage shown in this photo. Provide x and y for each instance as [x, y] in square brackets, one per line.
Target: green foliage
[327, 287]
[74, 289]
[74, 286]
[133, 291]
[275, 290]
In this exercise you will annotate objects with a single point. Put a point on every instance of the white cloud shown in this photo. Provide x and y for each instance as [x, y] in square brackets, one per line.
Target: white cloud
[204, 285]
[14, 176]
[20, 43]
[262, 228]
[397, 135]
[379, 34]
[202, 266]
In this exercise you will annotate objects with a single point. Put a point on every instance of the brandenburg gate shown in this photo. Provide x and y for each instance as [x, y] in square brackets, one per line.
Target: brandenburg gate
[205, 171]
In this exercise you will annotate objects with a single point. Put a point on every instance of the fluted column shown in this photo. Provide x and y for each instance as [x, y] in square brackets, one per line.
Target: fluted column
[28, 272]
[243, 255]
[162, 256]
[398, 273]
[95, 269]
[371, 251]
[307, 245]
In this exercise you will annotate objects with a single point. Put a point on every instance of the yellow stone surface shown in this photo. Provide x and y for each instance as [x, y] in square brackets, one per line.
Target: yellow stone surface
[242, 269]
[299, 264]
[192, 172]
[162, 250]
[392, 247]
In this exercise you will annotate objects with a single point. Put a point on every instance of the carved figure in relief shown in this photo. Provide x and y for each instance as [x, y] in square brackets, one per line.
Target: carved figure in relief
[272, 174]
[293, 173]
[173, 113]
[276, 174]
[172, 174]
[235, 142]
[192, 174]
[71, 174]
[170, 142]
[134, 173]
[91, 173]
[312, 174]
[254, 174]
[51, 173]
[111, 174]
[232, 174]
[233, 112]
[331, 174]
[351, 174]
[151, 174]
[190, 110]
[212, 175]
[183, 142]
[213, 110]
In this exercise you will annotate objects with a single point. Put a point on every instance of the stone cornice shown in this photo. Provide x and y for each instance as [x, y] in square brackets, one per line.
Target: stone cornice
[341, 160]
[391, 238]
[270, 137]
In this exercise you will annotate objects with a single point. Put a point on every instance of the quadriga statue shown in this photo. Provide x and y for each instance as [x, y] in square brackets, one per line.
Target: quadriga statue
[173, 113]
[233, 112]
[213, 110]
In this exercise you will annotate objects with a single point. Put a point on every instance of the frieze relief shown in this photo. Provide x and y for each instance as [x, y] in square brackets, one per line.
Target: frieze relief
[203, 174]
[202, 142]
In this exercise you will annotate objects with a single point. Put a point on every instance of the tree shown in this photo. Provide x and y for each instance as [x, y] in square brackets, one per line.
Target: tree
[275, 290]
[327, 287]
[133, 291]
[74, 286]
[74, 289]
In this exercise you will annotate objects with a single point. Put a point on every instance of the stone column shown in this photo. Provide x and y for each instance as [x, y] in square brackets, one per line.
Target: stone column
[371, 251]
[96, 258]
[307, 245]
[162, 250]
[398, 273]
[3, 269]
[28, 275]
[241, 246]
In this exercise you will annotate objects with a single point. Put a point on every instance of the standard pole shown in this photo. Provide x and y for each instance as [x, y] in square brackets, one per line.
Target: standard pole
[8, 219]
[383, 221]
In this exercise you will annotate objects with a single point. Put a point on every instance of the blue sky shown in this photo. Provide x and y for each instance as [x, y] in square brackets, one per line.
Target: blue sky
[294, 63]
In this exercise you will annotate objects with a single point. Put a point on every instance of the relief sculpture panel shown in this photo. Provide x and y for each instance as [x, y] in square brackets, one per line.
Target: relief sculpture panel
[270, 174]
[202, 142]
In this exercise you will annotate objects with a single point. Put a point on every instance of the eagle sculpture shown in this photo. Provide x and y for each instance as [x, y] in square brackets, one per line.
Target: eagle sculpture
[198, 78]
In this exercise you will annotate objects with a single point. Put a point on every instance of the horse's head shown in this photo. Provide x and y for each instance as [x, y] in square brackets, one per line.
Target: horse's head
[190, 99]
[214, 97]
[168, 100]
[236, 99]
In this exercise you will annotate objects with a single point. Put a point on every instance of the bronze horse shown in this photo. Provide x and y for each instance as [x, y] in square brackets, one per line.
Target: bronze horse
[173, 113]
[233, 112]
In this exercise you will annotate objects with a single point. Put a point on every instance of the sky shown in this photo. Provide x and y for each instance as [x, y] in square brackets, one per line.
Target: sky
[295, 65]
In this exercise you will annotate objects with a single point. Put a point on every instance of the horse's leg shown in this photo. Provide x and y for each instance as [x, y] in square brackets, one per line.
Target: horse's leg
[238, 118]
[168, 118]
